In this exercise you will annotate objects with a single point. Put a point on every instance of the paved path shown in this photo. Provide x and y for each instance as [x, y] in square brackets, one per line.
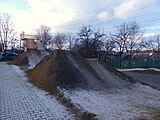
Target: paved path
[151, 79]
[17, 100]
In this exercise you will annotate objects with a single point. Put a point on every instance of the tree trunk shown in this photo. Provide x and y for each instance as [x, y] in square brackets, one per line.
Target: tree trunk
[130, 59]
[146, 65]
[120, 60]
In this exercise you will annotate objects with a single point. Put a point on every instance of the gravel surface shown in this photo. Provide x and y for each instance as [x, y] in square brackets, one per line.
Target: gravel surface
[151, 79]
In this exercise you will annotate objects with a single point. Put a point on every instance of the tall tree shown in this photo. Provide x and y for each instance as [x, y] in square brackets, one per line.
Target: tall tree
[44, 35]
[97, 41]
[89, 41]
[151, 44]
[148, 46]
[84, 40]
[119, 37]
[59, 41]
[109, 44]
[70, 40]
[126, 37]
[7, 33]
[108, 47]
[133, 41]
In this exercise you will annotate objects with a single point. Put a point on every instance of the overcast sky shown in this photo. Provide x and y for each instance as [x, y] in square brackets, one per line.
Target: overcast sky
[70, 15]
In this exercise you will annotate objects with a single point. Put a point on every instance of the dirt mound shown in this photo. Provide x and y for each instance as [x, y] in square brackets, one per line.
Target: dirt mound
[30, 58]
[20, 60]
[115, 72]
[57, 69]
[71, 71]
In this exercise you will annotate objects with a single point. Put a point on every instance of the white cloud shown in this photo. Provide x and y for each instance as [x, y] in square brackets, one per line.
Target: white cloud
[127, 7]
[52, 11]
[48, 12]
[103, 16]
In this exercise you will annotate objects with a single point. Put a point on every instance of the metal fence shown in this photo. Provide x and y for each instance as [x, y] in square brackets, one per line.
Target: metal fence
[135, 63]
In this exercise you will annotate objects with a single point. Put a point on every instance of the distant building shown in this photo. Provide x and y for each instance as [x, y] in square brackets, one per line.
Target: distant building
[31, 42]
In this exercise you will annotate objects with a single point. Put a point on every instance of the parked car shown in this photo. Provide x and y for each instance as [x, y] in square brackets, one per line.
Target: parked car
[7, 55]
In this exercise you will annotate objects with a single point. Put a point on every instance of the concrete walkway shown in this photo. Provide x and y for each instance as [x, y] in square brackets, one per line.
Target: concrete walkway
[17, 100]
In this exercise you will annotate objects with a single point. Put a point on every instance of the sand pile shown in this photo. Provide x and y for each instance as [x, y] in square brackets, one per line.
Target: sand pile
[20, 60]
[71, 71]
[30, 58]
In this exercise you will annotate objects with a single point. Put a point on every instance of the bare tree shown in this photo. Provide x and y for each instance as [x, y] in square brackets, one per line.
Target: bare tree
[7, 33]
[97, 41]
[120, 40]
[133, 41]
[157, 41]
[151, 44]
[89, 41]
[70, 39]
[44, 35]
[59, 41]
[84, 40]
[148, 46]
[108, 47]
[157, 48]
[125, 38]
[109, 44]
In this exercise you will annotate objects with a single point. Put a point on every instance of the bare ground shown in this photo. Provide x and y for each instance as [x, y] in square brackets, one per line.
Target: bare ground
[150, 77]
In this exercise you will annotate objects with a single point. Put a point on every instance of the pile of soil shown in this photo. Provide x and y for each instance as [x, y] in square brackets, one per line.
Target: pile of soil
[122, 75]
[56, 70]
[20, 60]
[69, 70]
[29, 58]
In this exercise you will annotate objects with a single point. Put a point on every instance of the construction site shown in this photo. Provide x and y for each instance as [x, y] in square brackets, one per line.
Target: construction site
[63, 85]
